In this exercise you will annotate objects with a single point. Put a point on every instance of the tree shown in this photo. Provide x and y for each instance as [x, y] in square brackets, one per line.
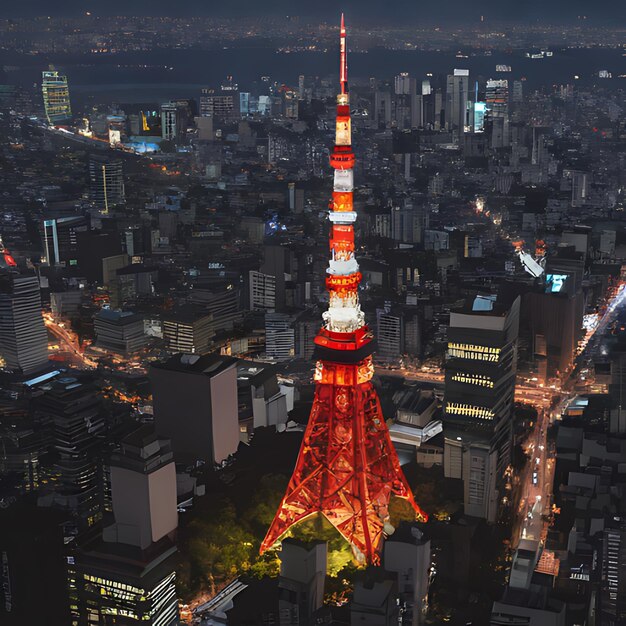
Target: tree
[218, 547]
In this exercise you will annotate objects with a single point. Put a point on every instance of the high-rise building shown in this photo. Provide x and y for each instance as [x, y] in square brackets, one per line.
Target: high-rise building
[276, 263]
[390, 333]
[481, 364]
[106, 182]
[457, 96]
[56, 97]
[554, 313]
[347, 468]
[129, 575]
[143, 489]
[613, 585]
[173, 120]
[406, 114]
[408, 222]
[23, 338]
[382, 109]
[404, 84]
[75, 482]
[60, 239]
[497, 97]
[195, 406]
[223, 104]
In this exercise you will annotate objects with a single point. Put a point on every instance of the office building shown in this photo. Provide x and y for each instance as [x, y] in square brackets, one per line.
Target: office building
[497, 98]
[517, 93]
[23, 337]
[173, 121]
[106, 182]
[277, 262]
[121, 332]
[23, 443]
[262, 291]
[195, 406]
[223, 104]
[306, 328]
[188, 329]
[554, 313]
[60, 239]
[382, 109]
[390, 333]
[143, 488]
[290, 104]
[56, 97]
[75, 475]
[613, 577]
[221, 302]
[279, 336]
[409, 221]
[481, 364]
[129, 575]
[457, 96]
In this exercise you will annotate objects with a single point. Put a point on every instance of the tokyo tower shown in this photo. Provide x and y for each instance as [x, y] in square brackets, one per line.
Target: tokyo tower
[347, 468]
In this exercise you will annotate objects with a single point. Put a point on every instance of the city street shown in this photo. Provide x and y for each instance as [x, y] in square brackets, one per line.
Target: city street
[69, 340]
[538, 475]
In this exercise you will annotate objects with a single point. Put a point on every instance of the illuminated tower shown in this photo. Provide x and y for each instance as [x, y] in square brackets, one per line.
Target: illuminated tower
[347, 468]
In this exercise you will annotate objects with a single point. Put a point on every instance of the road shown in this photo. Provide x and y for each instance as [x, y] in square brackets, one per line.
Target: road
[435, 378]
[535, 483]
[69, 340]
[538, 476]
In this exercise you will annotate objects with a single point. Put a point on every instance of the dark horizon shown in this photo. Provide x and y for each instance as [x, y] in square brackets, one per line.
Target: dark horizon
[453, 11]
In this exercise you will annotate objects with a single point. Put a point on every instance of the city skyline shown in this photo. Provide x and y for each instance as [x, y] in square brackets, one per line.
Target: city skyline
[295, 336]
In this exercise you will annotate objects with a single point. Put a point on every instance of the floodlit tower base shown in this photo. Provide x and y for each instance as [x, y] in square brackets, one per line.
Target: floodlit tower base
[347, 468]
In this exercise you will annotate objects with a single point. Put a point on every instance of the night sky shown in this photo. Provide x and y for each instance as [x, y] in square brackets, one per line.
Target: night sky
[613, 11]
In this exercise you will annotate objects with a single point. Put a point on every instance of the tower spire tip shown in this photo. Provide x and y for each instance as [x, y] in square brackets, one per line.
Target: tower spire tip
[343, 77]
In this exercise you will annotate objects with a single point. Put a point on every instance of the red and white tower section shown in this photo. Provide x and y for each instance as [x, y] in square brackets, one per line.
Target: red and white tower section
[347, 468]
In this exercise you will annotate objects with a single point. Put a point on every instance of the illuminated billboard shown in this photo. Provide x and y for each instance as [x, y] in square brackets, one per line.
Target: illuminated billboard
[555, 282]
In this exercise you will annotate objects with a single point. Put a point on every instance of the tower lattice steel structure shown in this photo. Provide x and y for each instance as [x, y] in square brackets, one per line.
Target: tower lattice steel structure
[347, 468]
